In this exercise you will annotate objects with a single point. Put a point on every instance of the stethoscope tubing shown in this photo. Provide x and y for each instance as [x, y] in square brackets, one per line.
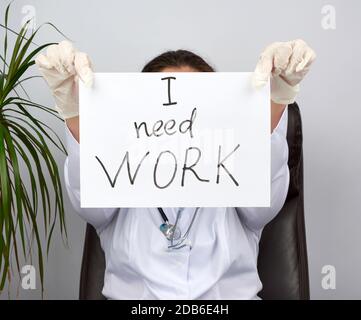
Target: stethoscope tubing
[180, 242]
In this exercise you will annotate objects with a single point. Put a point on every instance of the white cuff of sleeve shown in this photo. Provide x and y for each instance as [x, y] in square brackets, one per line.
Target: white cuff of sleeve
[279, 146]
[73, 149]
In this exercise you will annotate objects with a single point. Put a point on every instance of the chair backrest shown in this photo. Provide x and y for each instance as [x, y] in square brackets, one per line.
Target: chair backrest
[282, 261]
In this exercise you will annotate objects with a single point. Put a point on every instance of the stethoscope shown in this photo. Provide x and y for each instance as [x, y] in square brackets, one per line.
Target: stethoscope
[172, 232]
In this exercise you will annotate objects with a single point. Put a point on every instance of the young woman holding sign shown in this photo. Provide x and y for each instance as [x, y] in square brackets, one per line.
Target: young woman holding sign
[181, 253]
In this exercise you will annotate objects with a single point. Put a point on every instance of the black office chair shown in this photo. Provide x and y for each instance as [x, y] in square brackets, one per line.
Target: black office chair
[282, 261]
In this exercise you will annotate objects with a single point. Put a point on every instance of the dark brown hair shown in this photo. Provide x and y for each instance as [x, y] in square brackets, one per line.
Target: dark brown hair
[178, 58]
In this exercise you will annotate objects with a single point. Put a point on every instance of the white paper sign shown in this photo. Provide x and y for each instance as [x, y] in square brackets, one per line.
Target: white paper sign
[174, 140]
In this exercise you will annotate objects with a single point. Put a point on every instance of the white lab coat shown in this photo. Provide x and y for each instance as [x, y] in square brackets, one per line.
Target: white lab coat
[223, 261]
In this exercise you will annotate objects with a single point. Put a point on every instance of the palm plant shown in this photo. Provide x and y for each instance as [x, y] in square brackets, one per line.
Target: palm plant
[29, 176]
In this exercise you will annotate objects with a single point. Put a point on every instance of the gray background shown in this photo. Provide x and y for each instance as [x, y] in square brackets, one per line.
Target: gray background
[123, 35]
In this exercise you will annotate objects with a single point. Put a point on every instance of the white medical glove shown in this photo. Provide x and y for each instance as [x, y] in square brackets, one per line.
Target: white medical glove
[61, 67]
[286, 63]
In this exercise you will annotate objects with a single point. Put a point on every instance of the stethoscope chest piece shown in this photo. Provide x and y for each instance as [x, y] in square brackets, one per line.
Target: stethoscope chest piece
[170, 231]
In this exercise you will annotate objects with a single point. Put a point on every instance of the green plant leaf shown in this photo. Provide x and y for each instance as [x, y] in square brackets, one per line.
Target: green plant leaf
[29, 175]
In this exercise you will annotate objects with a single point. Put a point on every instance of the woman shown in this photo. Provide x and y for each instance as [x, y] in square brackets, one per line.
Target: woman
[218, 257]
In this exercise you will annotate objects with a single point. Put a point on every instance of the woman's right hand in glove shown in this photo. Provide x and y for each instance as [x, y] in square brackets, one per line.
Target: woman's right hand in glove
[62, 66]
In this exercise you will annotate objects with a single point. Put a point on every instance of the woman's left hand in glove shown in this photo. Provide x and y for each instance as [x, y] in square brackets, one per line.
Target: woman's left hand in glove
[286, 63]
